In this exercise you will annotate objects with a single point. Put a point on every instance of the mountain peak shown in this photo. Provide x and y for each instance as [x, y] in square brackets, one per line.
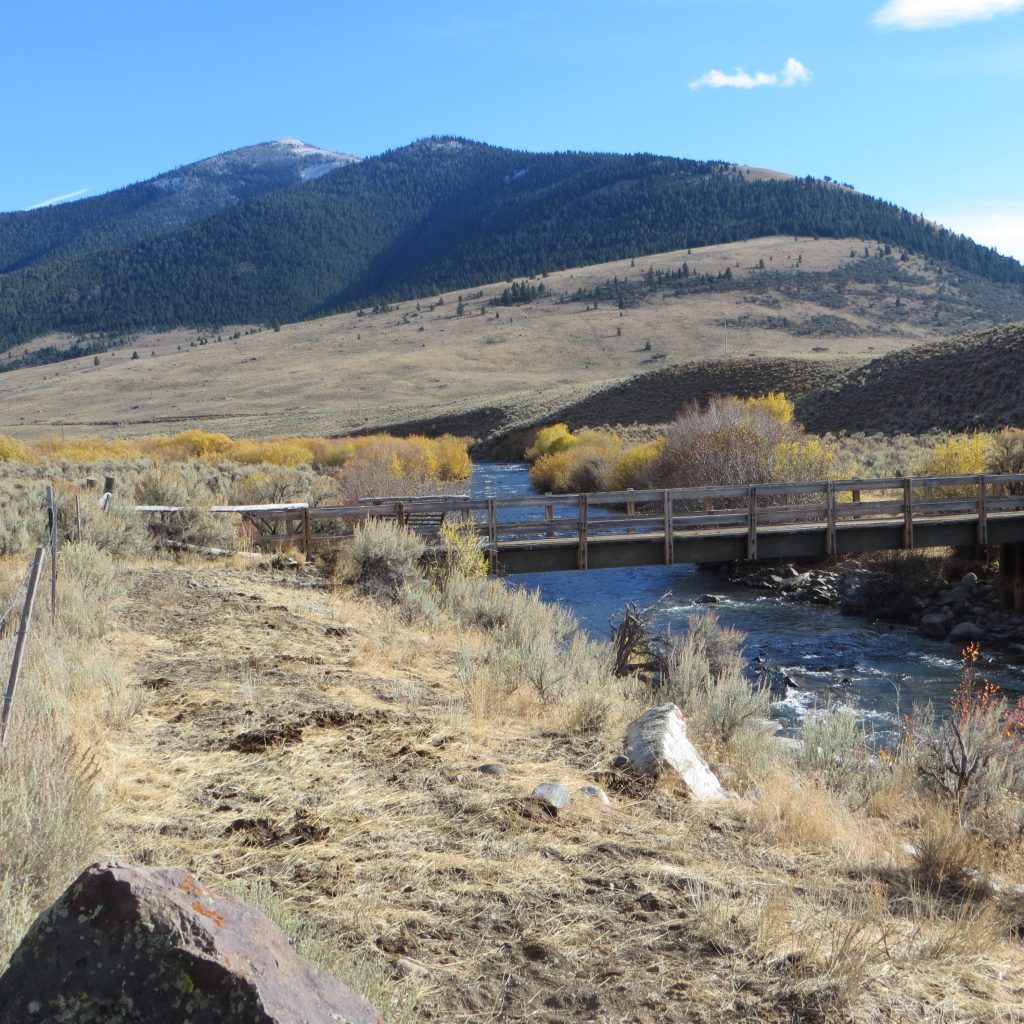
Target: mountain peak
[301, 148]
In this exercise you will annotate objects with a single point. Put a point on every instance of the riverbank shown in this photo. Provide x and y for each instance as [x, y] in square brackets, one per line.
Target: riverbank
[331, 746]
[929, 592]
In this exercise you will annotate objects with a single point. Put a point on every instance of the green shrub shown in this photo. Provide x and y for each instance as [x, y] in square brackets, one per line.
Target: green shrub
[183, 488]
[835, 749]
[384, 558]
[460, 556]
[93, 589]
[705, 677]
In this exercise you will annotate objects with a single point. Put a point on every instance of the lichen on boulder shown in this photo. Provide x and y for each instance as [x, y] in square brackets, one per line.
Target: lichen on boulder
[137, 944]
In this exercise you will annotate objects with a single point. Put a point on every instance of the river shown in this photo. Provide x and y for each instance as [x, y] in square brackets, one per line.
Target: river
[879, 670]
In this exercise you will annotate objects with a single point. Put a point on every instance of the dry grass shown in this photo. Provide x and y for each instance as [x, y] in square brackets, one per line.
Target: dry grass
[537, 358]
[970, 383]
[325, 748]
[72, 694]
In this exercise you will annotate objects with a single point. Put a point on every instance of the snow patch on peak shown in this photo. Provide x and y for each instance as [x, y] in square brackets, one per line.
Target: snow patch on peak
[440, 142]
[300, 148]
[319, 170]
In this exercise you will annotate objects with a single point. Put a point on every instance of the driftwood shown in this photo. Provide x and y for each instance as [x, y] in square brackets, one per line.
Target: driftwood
[637, 647]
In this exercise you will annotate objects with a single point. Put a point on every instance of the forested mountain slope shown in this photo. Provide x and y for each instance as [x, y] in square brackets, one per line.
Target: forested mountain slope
[161, 204]
[439, 214]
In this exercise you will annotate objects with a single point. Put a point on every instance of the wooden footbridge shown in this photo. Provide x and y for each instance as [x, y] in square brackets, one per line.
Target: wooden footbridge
[616, 529]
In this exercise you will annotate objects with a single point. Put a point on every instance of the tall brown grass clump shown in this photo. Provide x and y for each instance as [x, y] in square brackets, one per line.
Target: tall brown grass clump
[974, 757]
[735, 441]
[69, 696]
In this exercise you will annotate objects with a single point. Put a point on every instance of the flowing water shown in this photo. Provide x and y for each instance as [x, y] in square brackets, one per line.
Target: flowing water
[879, 670]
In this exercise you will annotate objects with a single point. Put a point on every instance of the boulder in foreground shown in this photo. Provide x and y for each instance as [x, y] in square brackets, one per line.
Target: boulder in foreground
[657, 744]
[135, 944]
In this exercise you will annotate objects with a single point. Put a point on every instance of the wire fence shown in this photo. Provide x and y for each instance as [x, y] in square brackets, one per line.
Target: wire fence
[16, 614]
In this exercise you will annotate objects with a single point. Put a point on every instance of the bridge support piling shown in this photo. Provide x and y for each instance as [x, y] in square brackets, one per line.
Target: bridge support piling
[1011, 577]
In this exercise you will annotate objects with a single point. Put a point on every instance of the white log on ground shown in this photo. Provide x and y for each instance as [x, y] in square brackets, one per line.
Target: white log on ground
[656, 744]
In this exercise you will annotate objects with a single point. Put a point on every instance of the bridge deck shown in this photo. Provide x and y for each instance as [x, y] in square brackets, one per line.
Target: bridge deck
[537, 533]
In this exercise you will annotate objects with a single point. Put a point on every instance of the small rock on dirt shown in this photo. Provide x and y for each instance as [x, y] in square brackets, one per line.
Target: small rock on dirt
[495, 770]
[595, 793]
[554, 794]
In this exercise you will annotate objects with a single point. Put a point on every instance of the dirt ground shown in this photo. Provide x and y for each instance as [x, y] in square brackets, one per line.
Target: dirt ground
[320, 741]
[354, 372]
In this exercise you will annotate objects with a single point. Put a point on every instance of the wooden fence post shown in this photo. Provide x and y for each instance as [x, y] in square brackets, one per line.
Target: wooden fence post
[51, 512]
[549, 517]
[305, 532]
[19, 646]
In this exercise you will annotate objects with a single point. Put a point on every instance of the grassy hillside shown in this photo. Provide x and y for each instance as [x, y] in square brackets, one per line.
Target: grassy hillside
[496, 366]
[970, 382]
[439, 214]
[644, 400]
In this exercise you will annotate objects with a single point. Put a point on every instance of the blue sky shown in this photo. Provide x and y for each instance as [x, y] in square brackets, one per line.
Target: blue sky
[916, 101]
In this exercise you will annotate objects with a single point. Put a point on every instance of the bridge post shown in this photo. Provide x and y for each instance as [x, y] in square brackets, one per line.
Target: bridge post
[908, 514]
[982, 515]
[492, 536]
[1011, 577]
[830, 518]
[581, 553]
[752, 522]
[670, 541]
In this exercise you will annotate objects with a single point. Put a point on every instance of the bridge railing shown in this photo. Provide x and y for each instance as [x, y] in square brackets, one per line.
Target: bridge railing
[608, 516]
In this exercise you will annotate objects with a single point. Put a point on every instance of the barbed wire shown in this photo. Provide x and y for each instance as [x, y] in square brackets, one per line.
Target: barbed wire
[15, 599]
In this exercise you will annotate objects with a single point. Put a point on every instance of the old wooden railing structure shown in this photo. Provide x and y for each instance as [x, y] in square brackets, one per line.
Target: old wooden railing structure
[608, 529]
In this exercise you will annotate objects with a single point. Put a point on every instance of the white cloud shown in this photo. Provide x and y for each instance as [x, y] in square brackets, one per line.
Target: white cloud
[999, 226]
[794, 73]
[58, 199]
[939, 13]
